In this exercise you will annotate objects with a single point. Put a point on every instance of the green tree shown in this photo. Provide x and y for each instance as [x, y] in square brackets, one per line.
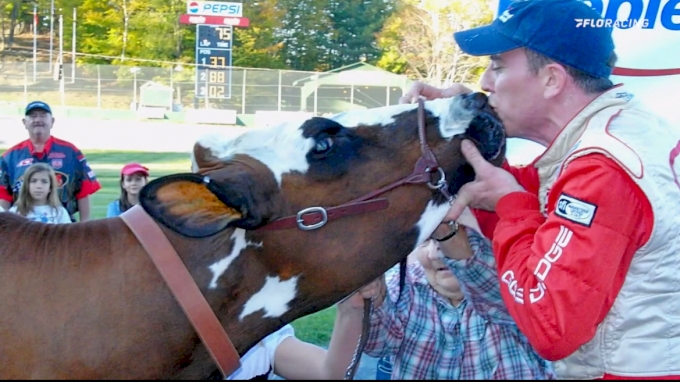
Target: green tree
[258, 46]
[355, 26]
[305, 33]
[417, 39]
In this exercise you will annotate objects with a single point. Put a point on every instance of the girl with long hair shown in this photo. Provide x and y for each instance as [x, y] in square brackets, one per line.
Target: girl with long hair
[38, 196]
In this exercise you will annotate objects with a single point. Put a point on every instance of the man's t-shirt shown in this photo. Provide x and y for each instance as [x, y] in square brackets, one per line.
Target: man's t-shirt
[75, 178]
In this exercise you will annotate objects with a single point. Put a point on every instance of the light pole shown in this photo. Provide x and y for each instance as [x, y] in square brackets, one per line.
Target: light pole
[134, 71]
[51, 32]
[178, 68]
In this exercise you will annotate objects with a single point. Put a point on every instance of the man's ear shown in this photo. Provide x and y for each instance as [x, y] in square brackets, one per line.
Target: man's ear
[195, 205]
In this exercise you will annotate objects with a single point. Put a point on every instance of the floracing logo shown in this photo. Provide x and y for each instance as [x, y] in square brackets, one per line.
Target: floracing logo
[609, 23]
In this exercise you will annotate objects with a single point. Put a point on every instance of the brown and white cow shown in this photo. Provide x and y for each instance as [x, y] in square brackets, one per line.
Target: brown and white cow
[85, 301]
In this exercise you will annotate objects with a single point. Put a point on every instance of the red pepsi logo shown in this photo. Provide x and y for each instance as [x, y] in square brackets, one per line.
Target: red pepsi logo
[193, 7]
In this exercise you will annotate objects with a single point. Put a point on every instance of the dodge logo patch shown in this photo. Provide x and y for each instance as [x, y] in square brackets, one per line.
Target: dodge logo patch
[575, 210]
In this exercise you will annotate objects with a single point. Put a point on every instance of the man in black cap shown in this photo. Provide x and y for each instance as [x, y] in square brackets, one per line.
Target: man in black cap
[587, 237]
[76, 179]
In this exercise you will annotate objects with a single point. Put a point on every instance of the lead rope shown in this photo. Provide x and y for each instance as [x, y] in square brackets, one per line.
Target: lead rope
[353, 366]
[368, 303]
[368, 308]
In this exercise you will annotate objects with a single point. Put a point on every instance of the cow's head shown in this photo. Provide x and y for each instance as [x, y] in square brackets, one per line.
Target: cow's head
[240, 185]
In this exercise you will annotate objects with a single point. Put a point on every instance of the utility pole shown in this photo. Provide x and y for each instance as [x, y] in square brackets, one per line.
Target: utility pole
[35, 41]
[61, 57]
[73, 49]
[51, 33]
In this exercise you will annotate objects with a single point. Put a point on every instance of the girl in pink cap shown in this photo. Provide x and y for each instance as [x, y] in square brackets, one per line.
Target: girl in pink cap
[133, 177]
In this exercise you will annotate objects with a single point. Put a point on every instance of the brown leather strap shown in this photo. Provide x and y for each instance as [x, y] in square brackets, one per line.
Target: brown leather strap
[427, 154]
[315, 215]
[313, 218]
[184, 289]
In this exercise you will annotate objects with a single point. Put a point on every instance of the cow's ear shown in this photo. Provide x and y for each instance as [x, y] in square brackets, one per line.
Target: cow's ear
[193, 205]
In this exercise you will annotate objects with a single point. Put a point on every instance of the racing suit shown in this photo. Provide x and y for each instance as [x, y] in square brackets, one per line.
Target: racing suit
[589, 256]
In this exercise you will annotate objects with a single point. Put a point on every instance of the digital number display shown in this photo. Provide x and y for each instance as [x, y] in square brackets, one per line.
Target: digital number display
[217, 82]
[213, 59]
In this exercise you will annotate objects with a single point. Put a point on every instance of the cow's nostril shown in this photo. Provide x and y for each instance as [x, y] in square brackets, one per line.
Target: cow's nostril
[478, 100]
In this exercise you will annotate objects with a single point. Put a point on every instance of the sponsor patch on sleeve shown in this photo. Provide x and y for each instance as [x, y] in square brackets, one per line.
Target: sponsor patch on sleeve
[576, 210]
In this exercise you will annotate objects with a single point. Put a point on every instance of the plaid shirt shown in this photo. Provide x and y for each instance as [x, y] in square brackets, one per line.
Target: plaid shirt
[429, 338]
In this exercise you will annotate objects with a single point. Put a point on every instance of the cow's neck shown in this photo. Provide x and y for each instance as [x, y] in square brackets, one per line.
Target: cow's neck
[229, 276]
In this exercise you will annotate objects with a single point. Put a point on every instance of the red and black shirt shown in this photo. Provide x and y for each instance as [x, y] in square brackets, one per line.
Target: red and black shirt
[75, 178]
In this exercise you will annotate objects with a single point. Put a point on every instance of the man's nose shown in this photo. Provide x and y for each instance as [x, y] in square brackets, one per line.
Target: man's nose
[486, 81]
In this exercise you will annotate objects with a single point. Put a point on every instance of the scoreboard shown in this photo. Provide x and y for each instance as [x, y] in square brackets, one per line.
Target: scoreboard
[213, 61]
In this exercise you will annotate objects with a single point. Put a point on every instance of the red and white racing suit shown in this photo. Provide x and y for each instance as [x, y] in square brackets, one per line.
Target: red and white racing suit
[589, 256]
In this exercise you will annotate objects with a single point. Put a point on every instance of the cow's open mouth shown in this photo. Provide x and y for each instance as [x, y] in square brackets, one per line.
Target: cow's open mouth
[485, 129]
[488, 132]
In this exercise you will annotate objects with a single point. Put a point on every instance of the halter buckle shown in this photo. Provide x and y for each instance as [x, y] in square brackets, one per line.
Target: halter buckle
[441, 183]
[301, 221]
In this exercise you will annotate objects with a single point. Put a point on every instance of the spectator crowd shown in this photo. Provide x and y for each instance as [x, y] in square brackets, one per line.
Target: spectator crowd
[49, 180]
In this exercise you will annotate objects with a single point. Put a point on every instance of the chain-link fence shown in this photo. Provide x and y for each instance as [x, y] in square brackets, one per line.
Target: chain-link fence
[244, 90]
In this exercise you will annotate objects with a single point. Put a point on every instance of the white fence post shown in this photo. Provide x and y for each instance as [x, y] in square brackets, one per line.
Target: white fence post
[99, 87]
[243, 95]
[279, 103]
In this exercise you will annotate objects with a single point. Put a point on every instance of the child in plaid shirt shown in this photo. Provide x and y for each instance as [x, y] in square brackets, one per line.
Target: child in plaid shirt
[450, 321]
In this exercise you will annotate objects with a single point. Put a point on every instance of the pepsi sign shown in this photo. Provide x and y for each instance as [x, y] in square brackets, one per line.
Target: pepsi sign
[215, 8]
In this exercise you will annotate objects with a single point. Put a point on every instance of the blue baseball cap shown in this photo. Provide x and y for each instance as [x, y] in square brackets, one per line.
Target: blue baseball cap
[553, 28]
[37, 105]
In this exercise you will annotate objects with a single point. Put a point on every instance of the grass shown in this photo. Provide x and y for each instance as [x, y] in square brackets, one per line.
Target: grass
[315, 328]
[107, 165]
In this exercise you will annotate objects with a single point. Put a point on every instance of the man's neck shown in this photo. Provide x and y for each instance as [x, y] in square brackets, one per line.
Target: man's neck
[562, 113]
[39, 145]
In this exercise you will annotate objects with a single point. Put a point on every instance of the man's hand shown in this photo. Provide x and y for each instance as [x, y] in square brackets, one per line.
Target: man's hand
[491, 183]
[374, 290]
[420, 89]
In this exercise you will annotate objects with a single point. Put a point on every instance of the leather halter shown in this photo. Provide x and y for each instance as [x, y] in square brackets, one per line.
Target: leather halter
[184, 288]
[192, 301]
[316, 217]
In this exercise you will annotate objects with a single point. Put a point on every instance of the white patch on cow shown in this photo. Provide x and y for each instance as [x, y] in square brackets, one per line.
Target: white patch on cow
[283, 149]
[430, 219]
[273, 298]
[220, 267]
[454, 118]
[380, 116]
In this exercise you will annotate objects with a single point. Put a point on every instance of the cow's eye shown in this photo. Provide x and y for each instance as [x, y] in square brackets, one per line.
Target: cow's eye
[323, 145]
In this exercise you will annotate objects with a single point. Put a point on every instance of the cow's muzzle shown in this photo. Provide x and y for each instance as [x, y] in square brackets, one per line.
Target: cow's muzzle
[485, 128]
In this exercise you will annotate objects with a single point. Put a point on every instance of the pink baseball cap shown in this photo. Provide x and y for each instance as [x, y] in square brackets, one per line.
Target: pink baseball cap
[133, 168]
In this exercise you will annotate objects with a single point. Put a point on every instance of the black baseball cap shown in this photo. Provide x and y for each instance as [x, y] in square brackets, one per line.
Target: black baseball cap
[553, 28]
[37, 105]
